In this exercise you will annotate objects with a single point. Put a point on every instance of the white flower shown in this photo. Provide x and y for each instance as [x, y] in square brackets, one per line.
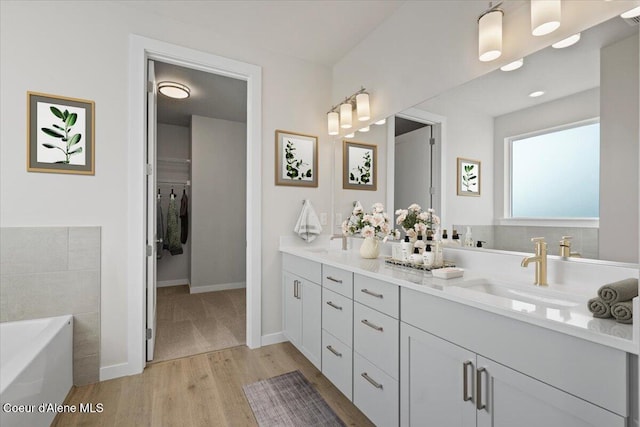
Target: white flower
[345, 228]
[396, 234]
[377, 220]
[367, 218]
[436, 219]
[368, 231]
[431, 210]
[423, 216]
[420, 227]
[385, 239]
[357, 210]
[420, 244]
[378, 208]
[412, 233]
[401, 218]
[415, 207]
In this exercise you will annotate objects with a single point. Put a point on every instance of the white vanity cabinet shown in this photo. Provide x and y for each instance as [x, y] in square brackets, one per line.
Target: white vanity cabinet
[375, 349]
[302, 302]
[535, 377]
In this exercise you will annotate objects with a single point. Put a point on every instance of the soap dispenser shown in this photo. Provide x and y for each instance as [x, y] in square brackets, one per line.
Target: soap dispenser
[428, 257]
[406, 249]
[445, 238]
[416, 258]
[455, 238]
[468, 238]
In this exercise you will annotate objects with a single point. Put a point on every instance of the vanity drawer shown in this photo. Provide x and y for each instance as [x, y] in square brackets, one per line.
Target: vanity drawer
[376, 337]
[337, 315]
[302, 267]
[337, 361]
[375, 393]
[338, 280]
[382, 296]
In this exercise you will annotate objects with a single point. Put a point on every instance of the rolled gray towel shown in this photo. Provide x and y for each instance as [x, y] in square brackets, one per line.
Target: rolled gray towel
[623, 311]
[599, 308]
[623, 290]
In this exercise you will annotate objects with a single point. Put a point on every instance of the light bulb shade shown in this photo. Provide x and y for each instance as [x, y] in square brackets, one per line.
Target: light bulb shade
[364, 129]
[362, 106]
[333, 123]
[351, 135]
[174, 90]
[513, 65]
[381, 122]
[346, 116]
[569, 41]
[490, 36]
[545, 16]
[631, 13]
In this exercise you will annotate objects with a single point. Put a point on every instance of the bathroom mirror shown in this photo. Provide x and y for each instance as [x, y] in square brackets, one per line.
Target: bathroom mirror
[480, 115]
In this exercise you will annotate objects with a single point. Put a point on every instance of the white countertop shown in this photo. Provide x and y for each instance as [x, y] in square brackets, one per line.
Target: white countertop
[573, 320]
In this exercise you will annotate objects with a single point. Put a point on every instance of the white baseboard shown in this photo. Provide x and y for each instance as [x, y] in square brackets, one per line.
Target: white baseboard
[115, 371]
[216, 287]
[165, 283]
[276, 338]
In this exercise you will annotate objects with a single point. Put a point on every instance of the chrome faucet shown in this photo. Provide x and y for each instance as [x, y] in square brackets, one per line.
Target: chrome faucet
[344, 240]
[565, 248]
[540, 258]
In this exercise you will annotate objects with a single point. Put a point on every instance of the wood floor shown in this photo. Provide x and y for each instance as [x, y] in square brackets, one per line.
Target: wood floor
[189, 324]
[201, 390]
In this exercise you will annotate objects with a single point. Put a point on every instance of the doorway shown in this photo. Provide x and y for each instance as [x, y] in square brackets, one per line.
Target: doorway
[142, 49]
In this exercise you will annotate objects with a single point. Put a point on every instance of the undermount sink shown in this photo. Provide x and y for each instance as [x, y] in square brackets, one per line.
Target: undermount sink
[537, 296]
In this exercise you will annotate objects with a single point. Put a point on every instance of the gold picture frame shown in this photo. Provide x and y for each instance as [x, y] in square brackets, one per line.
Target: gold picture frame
[60, 134]
[359, 166]
[296, 159]
[468, 177]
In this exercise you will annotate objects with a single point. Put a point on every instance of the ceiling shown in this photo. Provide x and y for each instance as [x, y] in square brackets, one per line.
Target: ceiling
[558, 72]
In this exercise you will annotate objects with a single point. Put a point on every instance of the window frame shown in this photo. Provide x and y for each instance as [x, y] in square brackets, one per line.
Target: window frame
[508, 219]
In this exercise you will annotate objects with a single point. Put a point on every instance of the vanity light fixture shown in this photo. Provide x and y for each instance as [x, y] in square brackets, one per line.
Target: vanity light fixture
[364, 129]
[351, 135]
[490, 33]
[381, 122]
[545, 16]
[513, 65]
[536, 94]
[174, 90]
[569, 41]
[631, 13]
[341, 116]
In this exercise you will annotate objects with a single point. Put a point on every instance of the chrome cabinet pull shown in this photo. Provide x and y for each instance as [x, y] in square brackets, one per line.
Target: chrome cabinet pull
[333, 350]
[371, 325]
[465, 381]
[337, 307]
[373, 294]
[334, 279]
[295, 289]
[371, 380]
[479, 404]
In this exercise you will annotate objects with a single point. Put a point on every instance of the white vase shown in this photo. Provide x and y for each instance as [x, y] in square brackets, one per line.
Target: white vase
[370, 248]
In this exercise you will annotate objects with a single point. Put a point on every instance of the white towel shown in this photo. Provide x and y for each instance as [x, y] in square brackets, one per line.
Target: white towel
[308, 226]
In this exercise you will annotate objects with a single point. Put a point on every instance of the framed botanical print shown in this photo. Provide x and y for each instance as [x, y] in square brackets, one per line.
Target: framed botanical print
[468, 177]
[60, 134]
[359, 164]
[296, 159]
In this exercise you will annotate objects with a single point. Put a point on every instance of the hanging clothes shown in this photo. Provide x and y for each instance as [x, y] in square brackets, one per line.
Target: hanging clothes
[173, 234]
[184, 217]
[159, 228]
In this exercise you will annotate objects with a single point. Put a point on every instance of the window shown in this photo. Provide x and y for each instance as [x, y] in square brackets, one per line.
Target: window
[556, 174]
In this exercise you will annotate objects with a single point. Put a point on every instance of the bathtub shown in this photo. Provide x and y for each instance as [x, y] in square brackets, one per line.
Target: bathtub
[36, 367]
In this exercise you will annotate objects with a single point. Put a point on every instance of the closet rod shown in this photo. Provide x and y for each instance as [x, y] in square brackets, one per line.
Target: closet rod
[170, 182]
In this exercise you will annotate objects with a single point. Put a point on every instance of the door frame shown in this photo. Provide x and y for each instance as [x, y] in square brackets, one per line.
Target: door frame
[140, 50]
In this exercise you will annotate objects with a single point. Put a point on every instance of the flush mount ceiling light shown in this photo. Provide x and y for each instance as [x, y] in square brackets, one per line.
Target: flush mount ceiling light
[536, 94]
[545, 16]
[631, 13]
[341, 116]
[513, 65]
[569, 41]
[174, 90]
[490, 33]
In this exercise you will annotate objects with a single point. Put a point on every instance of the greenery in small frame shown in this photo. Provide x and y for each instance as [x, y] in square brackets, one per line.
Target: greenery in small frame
[361, 174]
[69, 141]
[295, 166]
[359, 166]
[468, 182]
[296, 159]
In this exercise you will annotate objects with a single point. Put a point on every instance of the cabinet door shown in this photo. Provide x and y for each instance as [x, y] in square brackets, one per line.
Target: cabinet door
[292, 308]
[433, 373]
[311, 337]
[509, 398]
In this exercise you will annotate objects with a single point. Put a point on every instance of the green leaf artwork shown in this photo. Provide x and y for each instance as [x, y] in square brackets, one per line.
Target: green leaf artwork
[361, 174]
[63, 133]
[469, 178]
[296, 168]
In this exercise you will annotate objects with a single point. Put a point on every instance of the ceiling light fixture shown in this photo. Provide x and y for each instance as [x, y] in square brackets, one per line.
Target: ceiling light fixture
[341, 116]
[631, 13]
[536, 94]
[174, 90]
[545, 16]
[569, 41]
[513, 65]
[490, 33]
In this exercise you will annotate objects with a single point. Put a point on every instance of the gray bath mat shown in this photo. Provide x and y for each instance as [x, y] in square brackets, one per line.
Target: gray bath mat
[289, 400]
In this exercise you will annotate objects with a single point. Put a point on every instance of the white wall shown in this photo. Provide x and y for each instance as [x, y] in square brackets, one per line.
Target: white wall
[412, 168]
[428, 47]
[295, 96]
[619, 115]
[581, 106]
[218, 228]
[173, 142]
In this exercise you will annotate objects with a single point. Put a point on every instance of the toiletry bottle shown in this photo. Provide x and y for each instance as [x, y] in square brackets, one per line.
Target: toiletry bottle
[438, 258]
[406, 249]
[468, 238]
[455, 238]
[445, 238]
[419, 244]
[428, 257]
[416, 258]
